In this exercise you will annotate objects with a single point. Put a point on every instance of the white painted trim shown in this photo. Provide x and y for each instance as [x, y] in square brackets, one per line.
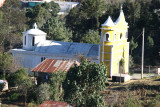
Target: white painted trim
[111, 69]
[107, 29]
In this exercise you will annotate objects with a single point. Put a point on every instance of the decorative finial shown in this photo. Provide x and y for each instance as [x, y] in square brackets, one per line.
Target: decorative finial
[35, 26]
[121, 7]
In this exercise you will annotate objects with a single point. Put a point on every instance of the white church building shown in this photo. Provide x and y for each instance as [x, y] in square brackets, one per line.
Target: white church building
[36, 49]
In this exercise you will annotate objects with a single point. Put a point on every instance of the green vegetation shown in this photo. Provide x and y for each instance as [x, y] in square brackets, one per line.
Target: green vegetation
[83, 84]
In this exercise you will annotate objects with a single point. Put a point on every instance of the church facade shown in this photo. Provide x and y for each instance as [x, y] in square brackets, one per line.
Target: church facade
[114, 45]
[112, 48]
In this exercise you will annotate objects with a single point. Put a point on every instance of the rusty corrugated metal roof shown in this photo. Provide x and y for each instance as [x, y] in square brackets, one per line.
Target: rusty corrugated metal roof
[54, 104]
[54, 65]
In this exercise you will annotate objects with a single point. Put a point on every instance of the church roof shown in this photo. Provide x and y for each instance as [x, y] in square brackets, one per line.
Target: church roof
[54, 65]
[108, 22]
[67, 48]
[34, 31]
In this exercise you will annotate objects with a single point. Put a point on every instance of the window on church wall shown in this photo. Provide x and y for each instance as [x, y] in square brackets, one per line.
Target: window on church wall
[121, 36]
[33, 39]
[24, 40]
[43, 58]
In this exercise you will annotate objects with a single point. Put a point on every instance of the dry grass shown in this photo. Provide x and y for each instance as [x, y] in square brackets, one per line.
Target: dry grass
[136, 93]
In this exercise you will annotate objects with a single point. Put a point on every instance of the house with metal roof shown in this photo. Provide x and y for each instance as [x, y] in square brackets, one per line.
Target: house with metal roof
[48, 66]
[36, 49]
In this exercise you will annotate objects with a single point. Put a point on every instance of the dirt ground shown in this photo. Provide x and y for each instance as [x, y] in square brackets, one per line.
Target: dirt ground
[142, 89]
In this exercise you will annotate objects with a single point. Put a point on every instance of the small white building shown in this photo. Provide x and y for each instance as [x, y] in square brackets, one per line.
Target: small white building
[36, 49]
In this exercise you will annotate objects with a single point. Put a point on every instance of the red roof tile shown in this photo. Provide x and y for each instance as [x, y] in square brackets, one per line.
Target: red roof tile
[54, 65]
[54, 104]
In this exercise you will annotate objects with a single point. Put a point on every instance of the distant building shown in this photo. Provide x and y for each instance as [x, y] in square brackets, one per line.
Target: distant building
[64, 6]
[1, 2]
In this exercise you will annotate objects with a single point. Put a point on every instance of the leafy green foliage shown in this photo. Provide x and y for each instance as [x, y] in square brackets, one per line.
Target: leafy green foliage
[56, 80]
[5, 62]
[56, 30]
[25, 87]
[18, 77]
[43, 92]
[12, 25]
[133, 45]
[91, 37]
[42, 13]
[83, 83]
[85, 17]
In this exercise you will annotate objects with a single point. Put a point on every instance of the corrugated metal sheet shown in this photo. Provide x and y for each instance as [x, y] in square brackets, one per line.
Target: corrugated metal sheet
[54, 104]
[54, 65]
[67, 48]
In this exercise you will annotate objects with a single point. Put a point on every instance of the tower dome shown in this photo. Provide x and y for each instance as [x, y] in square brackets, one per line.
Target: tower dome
[32, 37]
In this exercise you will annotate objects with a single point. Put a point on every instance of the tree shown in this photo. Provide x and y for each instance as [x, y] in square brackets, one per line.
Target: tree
[5, 63]
[17, 77]
[85, 17]
[56, 30]
[91, 37]
[42, 13]
[56, 80]
[133, 44]
[83, 83]
[43, 92]
[24, 87]
[12, 25]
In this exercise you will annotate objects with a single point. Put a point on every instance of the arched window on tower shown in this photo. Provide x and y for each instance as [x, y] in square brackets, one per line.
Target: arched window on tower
[121, 36]
[106, 37]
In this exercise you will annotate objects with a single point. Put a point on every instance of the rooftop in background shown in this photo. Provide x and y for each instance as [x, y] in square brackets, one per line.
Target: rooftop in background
[65, 6]
[54, 65]
[54, 104]
[2, 2]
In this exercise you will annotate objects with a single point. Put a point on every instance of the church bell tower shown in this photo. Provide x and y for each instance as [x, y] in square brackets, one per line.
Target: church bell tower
[114, 45]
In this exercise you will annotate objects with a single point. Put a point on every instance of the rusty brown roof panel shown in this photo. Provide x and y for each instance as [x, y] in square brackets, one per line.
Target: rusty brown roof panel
[54, 65]
[54, 104]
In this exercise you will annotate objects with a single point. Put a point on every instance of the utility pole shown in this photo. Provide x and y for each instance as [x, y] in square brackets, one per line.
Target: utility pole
[102, 48]
[142, 54]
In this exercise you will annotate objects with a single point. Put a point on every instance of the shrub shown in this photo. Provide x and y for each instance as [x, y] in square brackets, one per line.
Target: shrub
[43, 92]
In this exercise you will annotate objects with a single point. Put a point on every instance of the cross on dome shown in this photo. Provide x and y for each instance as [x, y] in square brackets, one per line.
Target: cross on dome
[121, 7]
[34, 26]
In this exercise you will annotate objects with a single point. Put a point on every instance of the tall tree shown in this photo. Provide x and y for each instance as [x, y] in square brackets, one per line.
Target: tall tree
[91, 37]
[83, 83]
[56, 30]
[85, 16]
[5, 63]
[41, 13]
[12, 25]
